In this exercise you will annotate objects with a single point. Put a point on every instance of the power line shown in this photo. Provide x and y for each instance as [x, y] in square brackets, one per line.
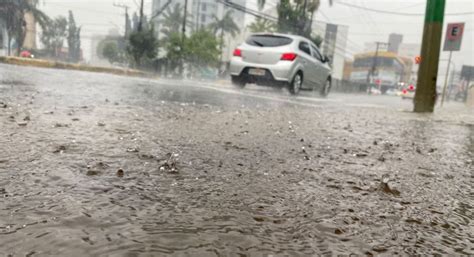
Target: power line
[397, 13]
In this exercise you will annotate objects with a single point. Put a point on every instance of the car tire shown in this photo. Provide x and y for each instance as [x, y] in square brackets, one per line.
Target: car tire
[238, 82]
[326, 88]
[295, 85]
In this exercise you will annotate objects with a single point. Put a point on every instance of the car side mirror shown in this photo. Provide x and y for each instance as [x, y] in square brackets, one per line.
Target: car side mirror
[325, 59]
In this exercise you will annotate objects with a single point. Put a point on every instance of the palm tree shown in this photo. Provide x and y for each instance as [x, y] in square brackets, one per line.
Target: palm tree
[14, 12]
[262, 25]
[172, 20]
[224, 25]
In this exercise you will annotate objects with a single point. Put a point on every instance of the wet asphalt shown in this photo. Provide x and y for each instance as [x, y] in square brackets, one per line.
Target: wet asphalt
[100, 165]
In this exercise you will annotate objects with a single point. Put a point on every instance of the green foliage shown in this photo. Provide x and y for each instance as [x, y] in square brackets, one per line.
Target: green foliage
[73, 39]
[13, 12]
[54, 34]
[262, 25]
[225, 25]
[111, 51]
[119, 43]
[295, 16]
[201, 49]
[172, 21]
[142, 45]
[174, 50]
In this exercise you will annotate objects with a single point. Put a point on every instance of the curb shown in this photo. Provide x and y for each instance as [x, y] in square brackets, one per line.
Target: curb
[69, 66]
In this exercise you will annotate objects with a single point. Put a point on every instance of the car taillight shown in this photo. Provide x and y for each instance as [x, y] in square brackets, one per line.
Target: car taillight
[411, 88]
[404, 91]
[288, 56]
[238, 52]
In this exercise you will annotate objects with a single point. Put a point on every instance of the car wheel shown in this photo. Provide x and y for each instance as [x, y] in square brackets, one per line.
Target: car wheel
[324, 92]
[295, 85]
[238, 82]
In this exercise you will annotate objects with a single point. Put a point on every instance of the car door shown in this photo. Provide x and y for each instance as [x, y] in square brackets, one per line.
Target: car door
[307, 63]
[320, 67]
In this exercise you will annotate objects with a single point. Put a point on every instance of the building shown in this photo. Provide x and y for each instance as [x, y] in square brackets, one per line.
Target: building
[394, 41]
[384, 68]
[347, 69]
[410, 50]
[334, 47]
[202, 14]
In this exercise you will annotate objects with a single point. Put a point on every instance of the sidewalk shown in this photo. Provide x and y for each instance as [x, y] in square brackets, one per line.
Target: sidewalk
[69, 66]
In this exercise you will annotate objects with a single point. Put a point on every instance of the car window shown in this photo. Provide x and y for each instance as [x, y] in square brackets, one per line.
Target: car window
[316, 54]
[268, 41]
[305, 47]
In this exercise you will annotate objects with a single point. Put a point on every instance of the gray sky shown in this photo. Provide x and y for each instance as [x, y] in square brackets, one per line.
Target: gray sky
[99, 16]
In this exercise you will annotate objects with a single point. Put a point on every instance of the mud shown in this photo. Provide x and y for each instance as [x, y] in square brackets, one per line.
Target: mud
[113, 166]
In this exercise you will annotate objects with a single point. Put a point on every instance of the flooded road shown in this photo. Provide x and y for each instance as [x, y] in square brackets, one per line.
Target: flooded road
[101, 165]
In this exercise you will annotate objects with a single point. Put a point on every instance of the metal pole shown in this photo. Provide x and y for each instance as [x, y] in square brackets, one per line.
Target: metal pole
[425, 96]
[446, 78]
[140, 23]
[183, 36]
[185, 16]
[198, 15]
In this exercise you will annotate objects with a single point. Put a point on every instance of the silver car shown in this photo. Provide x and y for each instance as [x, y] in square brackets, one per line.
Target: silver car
[281, 60]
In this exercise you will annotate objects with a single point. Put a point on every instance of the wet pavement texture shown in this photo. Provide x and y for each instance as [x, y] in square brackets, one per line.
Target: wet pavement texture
[101, 165]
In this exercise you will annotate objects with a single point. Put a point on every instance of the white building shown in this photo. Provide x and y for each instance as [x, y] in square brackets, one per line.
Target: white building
[202, 14]
[334, 46]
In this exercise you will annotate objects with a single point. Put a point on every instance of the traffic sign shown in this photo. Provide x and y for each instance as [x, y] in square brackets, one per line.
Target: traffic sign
[453, 38]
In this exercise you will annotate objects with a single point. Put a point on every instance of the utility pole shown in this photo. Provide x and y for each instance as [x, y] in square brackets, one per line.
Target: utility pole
[425, 96]
[125, 7]
[198, 14]
[446, 78]
[185, 17]
[183, 36]
[371, 72]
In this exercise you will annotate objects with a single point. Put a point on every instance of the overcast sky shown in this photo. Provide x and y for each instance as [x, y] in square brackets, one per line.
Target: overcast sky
[99, 16]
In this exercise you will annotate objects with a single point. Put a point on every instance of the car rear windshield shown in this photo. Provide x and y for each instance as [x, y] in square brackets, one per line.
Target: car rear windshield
[268, 41]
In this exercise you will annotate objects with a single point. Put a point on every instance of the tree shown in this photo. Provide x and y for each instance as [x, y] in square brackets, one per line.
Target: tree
[224, 25]
[317, 40]
[73, 39]
[172, 21]
[13, 12]
[111, 52]
[175, 52]
[295, 16]
[142, 44]
[202, 49]
[54, 34]
[262, 25]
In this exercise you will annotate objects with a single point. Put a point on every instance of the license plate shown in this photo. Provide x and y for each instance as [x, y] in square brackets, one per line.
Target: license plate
[257, 72]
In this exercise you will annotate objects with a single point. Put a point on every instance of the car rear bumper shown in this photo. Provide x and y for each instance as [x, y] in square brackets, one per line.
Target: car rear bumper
[281, 71]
